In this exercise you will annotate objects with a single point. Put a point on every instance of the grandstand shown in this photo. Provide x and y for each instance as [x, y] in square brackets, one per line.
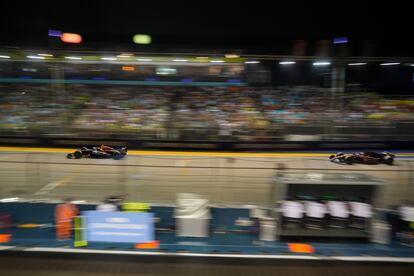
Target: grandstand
[206, 113]
[204, 98]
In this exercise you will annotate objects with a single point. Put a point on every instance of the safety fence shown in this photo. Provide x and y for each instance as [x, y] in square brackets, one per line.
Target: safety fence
[238, 180]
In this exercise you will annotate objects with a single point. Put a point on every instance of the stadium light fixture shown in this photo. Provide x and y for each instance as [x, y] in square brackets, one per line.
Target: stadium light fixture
[142, 39]
[4, 56]
[321, 63]
[125, 56]
[252, 62]
[390, 63]
[71, 38]
[180, 60]
[35, 57]
[73, 58]
[287, 62]
[217, 61]
[108, 58]
[201, 59]
[144, 59]
[45, 55]
[357, 64]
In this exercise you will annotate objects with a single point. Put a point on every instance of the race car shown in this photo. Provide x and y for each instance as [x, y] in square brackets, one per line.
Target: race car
[364, 157]
[102, 152]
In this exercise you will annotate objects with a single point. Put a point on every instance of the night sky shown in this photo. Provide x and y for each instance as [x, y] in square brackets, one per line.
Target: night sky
[251, 26]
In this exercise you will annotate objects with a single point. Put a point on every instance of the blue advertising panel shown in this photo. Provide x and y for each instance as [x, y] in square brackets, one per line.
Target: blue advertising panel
[119, 227]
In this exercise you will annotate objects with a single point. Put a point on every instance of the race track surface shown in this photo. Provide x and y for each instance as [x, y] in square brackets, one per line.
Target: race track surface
[156, 177]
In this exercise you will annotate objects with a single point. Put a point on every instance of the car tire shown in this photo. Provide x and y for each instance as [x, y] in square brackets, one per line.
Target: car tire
[349, 160]
[117, 155]
[77, 154]
[389, 160]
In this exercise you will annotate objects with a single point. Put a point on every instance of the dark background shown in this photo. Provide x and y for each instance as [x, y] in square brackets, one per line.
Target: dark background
[381, 28]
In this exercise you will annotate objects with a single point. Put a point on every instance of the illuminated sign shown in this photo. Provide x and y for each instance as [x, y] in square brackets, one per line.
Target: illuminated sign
[128, 68]
[142, 39]
[55, 33]
[130, 227]
[71, 38]
[340, 40]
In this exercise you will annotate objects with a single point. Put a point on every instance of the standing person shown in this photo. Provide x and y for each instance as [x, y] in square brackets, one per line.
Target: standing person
[64, 214]
[292, 213]
[339, 213]
[315, 214]
[361, 213]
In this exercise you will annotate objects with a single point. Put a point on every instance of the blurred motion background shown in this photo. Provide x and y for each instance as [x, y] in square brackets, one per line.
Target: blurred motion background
[229, 72]
[266, 81]
[173, 76]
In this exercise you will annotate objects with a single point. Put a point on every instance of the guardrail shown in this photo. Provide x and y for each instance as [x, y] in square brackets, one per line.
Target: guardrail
[296, 142]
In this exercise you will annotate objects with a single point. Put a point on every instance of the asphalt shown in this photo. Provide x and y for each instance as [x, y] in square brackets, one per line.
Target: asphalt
[156, 177]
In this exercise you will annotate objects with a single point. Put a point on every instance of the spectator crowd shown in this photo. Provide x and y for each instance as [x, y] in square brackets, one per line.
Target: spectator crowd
[160, 112]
